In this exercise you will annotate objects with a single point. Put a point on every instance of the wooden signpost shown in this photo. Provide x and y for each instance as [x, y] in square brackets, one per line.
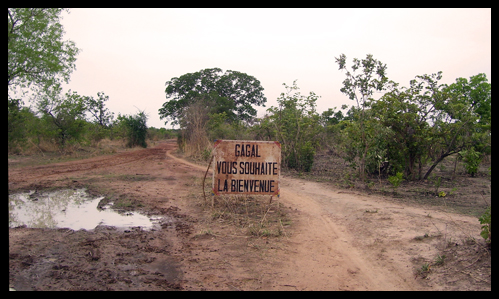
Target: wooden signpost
[246, 167]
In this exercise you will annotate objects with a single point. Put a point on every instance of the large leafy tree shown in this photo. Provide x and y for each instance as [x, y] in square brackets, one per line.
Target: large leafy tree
[408, 113]
[429, 121]
[232, 92]
[37, 54]
[463, 121]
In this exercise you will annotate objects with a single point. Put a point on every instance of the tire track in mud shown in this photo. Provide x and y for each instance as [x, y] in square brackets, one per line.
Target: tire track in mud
[350, 241]
[324, 258]
[201, 168]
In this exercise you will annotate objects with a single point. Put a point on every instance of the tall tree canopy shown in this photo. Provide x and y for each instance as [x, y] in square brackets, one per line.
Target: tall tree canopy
[232, 92]
[37, 53]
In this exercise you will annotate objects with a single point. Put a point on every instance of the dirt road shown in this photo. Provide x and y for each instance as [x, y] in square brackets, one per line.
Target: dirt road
[336, 240]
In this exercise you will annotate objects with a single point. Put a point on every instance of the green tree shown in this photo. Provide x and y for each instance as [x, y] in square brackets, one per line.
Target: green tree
[475, 95]
[333, 123]
[37, 53]
[407, 114]
[331, 117]
[461, 119]
[96, 107]
[101, 118]
[354, 140]
[297, 126]
[263, 129]
[429, 121]
[233, 92]
[365, 77]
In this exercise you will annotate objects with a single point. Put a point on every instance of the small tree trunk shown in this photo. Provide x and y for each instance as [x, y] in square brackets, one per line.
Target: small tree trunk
[440, 159]
[420, 172]
[455, 166]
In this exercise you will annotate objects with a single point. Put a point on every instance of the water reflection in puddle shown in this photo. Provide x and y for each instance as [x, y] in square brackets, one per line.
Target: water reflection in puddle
[69, 208]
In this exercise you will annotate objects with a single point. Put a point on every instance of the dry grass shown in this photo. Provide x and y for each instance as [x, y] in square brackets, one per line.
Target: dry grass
[257, 216]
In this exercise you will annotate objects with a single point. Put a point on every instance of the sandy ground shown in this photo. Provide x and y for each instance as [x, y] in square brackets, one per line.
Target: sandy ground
[335, 239]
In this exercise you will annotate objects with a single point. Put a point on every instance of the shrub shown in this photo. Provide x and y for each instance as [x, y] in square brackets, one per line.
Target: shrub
[136, 128]
[303, 158]
[471, 160]
[396, 179]
[485, 221]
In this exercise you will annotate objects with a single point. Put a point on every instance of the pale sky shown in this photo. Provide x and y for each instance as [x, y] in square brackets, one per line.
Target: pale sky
[129, 54]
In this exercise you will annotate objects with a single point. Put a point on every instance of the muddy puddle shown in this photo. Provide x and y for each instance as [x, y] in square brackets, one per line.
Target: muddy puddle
[71, 208]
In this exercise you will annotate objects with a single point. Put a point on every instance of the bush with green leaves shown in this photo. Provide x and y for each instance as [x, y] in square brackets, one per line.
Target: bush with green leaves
[486, 222]
[135, 128]
[303, 158]
[160, 134]
[396, 179]
[471, 159]
[296, 124]
[220, 126]
[16, 129]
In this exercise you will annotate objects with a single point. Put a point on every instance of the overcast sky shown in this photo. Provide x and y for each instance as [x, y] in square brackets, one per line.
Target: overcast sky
[129, 54]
